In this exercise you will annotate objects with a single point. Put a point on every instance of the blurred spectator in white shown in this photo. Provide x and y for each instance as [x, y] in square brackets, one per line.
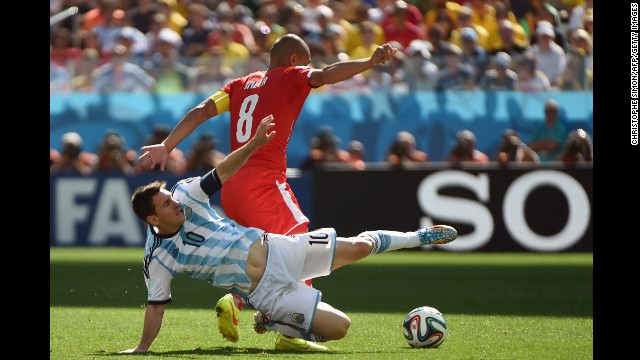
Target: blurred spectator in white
[578, 74]
[356, 155]
[576, 19]
[454, 74]
[159, 25]
[464, 150]
[195, 35]
[171, 76]
[500, 77]
[578, 148]
[530, 79]
[559, 36]
[464, 21]
[59, 79]
[399, 28]
[403, 151]
[508, 42]
[113, 156]
[472, 53]
[534, 14]
[140, 16]
[547, 139]
[73, 159]
[550, 57]
[136, 42]
[313, 9]
[120, 75]
[419, 72]
[204, 155]
[512, 149]
[109, 31]
[324, 148]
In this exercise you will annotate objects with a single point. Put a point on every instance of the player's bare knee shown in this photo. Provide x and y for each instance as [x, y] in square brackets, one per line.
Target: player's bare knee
[339, 328]
[362, 248]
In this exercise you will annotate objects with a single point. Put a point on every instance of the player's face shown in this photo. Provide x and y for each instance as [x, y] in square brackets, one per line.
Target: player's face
[168, 212]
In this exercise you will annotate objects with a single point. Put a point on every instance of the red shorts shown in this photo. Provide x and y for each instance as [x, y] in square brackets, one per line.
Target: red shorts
[262, 199]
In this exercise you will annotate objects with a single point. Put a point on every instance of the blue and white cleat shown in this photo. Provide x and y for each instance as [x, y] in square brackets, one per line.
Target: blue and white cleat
[437, 234]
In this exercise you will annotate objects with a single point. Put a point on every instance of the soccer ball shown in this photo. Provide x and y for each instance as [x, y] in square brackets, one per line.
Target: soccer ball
[424, 327]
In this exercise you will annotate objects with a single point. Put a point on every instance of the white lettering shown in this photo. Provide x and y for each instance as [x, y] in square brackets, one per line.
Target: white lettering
[514, 217]
[69, 213]
[114, 216]
[457, 209]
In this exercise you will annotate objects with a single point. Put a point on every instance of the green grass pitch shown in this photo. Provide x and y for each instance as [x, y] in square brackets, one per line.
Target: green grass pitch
[497, 306]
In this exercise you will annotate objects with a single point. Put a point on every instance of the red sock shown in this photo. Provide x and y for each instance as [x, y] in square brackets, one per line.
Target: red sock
[238, 301]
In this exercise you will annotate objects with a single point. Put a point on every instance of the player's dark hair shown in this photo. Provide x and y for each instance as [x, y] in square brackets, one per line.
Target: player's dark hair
[142, 202]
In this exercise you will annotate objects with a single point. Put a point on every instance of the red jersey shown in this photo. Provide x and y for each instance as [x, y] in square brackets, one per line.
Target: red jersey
[281, 92]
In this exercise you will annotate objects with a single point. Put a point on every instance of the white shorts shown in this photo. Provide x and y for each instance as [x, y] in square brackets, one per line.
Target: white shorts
[280, 294]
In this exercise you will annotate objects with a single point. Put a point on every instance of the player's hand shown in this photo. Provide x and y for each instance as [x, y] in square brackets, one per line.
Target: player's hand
[383, 53]
[132, 351]
[153, 155]
[264, 134]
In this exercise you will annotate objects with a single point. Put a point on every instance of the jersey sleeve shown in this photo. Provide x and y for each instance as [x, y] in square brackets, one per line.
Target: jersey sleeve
[300, 75]
[158, 281]
[187, 190]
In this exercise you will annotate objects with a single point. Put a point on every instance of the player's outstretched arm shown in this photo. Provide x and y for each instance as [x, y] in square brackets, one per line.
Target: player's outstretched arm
[234, 161]
[152, 323]
[344, 70]
[159, 153]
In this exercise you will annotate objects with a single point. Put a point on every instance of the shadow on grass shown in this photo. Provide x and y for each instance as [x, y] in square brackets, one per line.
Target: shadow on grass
[225, 351]
[562, 290]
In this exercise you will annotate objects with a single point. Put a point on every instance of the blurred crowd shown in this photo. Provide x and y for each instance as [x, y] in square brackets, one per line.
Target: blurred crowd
[551, 142]
[169, 46]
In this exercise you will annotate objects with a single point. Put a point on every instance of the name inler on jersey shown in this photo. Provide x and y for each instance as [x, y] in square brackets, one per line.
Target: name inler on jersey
[253, 84]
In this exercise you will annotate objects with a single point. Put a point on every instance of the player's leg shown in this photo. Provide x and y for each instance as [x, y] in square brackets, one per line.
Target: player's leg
[352, 249]
[273, 208]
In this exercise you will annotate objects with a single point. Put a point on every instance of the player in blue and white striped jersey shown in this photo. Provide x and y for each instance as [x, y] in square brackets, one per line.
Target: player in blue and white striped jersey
[186, 236]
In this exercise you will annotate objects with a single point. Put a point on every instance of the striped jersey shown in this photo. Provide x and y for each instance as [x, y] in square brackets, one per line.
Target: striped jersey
[207, 247]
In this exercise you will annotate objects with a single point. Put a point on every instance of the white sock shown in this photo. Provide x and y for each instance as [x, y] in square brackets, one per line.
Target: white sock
[387, 240]
[291, 332]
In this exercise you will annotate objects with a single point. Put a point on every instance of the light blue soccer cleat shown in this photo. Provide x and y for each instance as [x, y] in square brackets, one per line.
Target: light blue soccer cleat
[437, 234]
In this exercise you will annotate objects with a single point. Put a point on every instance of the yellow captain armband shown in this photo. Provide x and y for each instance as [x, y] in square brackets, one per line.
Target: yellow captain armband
[221, 99]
